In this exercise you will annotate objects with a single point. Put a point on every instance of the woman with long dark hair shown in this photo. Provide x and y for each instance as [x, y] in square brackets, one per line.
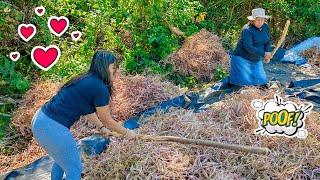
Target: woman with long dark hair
[87, 94]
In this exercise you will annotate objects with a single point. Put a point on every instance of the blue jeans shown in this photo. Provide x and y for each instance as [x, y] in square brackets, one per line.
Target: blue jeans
[58, 142]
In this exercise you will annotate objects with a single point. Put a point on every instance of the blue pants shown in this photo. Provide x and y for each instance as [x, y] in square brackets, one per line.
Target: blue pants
[246, 73]
[58, 142]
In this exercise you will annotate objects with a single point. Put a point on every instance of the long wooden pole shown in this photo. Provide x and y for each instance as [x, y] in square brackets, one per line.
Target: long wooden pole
[235, 147]
[282, 38]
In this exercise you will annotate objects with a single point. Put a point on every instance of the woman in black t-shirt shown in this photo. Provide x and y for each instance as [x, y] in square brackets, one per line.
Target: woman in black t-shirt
[87, 94]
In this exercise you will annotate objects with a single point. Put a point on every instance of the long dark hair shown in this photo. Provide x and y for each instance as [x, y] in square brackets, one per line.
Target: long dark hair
[100, 67]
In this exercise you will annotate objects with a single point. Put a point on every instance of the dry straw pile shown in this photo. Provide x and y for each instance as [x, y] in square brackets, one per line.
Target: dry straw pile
[200, 55]
[231, 121]
[313, 55]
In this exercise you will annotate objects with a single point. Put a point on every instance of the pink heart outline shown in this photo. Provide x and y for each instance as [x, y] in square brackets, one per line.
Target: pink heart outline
[58, 19]
[27, 26]
[34, 60]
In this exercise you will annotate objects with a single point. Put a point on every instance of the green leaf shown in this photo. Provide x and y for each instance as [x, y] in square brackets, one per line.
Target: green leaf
[95, 6]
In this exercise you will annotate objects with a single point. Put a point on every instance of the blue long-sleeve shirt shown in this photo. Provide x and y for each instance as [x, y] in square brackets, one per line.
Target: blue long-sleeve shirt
[254, 42]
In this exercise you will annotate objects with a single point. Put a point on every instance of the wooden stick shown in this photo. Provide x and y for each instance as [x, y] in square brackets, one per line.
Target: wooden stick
[176, 31]
[235, 147]
[282, 38]
[6, 100]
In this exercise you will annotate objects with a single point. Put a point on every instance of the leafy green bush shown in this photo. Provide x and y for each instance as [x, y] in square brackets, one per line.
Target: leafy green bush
[220, 73]
[5, 115]
[12, 81]
[147, 23]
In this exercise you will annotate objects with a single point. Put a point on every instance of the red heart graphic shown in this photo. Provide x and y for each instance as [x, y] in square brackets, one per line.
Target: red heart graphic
[76, 35]
[14, 56]
[39, 10]
[58, 25]
[26, 31]
[45, 58]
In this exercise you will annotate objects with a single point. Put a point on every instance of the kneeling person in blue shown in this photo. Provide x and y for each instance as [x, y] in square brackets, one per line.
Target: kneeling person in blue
[252, 47]
[87, 94]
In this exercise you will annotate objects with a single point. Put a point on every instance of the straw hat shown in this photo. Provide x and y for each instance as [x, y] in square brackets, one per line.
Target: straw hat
[258, 12]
